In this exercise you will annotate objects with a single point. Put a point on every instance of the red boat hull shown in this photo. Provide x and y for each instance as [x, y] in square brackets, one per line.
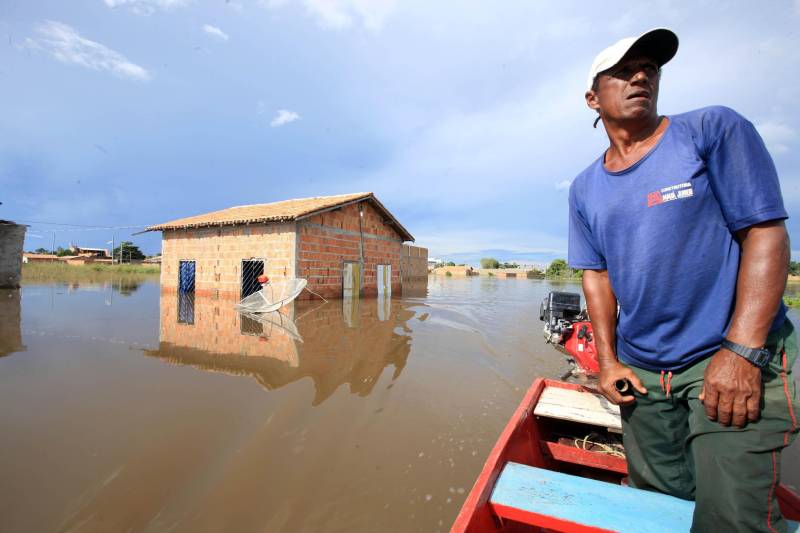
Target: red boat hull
[523, 441]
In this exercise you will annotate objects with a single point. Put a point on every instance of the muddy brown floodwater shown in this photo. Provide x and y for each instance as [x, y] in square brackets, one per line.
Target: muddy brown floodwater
[124, 409]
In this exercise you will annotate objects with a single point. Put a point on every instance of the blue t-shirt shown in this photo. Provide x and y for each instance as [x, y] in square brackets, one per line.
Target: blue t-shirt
[663, 228]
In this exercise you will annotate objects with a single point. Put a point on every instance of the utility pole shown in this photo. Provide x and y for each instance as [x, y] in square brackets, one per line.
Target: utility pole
[112, 250]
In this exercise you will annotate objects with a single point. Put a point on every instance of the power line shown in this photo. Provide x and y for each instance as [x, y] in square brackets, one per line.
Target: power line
[48, 230]
[79, 225]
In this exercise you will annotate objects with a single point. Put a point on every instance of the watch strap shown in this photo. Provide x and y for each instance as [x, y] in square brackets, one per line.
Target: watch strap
[758, 356]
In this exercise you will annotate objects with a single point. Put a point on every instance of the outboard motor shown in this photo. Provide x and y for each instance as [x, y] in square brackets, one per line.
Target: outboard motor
[568, 329]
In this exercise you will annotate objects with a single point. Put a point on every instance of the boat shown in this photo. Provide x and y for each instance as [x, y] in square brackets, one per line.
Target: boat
[273, 295]
[559, 465]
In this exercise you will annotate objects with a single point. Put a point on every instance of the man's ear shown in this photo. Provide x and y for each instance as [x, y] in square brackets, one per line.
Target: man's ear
[591, 100]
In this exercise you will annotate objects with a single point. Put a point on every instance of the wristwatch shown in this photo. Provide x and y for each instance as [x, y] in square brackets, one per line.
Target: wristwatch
[758, 356]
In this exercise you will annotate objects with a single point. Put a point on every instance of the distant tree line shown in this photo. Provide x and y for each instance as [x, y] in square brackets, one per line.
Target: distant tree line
[129, 251]
[557, 269]
[491, 262]
[60, 251]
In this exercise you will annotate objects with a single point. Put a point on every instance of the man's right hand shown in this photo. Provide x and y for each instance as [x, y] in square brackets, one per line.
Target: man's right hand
[610, 373]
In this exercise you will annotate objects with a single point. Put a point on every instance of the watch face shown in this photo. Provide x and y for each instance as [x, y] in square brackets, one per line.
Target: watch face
[763, 357]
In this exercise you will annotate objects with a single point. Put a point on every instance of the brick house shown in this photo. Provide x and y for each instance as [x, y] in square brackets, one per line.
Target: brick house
[345, 244]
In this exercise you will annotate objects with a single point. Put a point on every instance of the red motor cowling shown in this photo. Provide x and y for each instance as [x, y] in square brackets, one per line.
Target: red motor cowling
[579, 344]
[567, 328]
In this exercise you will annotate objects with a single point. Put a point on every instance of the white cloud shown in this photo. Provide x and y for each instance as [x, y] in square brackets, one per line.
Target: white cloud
[563, 184]
[284, 117]
[777, 136]
[65, 44]
[444, 242]
[492, 144]
[215, 32]
[147, 7]
[341, 14]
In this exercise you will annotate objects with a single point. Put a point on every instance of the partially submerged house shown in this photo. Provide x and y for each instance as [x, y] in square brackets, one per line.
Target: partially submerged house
[348, 244]
[12, 236]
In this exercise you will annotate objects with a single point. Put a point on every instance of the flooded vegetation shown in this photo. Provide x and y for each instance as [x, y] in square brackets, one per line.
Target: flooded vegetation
[90, 273]
[131, 409]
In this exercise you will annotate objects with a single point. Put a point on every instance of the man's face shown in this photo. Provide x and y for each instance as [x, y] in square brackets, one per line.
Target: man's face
[627, 91]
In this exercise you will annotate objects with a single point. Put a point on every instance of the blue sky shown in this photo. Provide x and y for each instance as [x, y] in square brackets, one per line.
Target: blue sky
[465, 118]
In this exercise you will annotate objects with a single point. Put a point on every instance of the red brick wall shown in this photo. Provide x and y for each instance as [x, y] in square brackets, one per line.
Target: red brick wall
[326, 240]
[219, 251]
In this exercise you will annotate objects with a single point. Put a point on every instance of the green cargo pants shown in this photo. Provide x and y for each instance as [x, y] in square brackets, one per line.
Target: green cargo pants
[731, 473]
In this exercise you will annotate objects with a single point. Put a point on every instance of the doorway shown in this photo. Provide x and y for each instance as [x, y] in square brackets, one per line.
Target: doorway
[351, 279]
[384, 280]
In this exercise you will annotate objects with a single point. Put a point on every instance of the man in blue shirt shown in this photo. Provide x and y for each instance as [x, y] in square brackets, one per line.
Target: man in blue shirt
[680, 223]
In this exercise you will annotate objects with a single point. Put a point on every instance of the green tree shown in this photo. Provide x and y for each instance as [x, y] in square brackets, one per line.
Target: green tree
[41, 251]
[794, 268]
[557, 269]
[129, 251]
[489, 262]
[61, 252]
[450, 264]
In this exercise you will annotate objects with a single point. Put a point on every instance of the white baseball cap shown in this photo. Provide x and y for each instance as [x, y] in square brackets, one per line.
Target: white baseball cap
[660, 44]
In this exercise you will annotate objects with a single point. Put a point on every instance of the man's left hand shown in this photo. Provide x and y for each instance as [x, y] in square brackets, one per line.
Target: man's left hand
[731, 389]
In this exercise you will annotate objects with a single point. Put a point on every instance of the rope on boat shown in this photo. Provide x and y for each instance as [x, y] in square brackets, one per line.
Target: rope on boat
[615, 450]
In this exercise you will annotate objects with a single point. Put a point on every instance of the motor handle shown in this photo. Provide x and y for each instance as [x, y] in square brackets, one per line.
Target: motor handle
[622, 386]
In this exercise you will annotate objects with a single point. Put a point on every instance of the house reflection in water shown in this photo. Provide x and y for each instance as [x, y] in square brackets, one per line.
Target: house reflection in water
[339, 342]
[10, 333]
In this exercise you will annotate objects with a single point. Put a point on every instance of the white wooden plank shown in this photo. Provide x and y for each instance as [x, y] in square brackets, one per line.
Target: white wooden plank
[577, 406]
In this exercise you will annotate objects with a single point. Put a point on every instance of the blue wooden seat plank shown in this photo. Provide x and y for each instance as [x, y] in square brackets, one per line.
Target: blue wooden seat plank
[592, 503]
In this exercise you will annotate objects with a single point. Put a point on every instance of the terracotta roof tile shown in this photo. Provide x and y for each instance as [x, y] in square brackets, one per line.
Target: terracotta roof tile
[285, 210]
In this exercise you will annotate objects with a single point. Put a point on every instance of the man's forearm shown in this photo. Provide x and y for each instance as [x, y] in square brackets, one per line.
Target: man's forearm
[763, 269]
[602, 304]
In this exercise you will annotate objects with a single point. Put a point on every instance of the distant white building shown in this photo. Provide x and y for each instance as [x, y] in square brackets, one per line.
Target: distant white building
[91, 252]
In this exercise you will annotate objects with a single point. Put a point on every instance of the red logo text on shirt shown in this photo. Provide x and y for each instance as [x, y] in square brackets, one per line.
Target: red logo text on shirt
[654, 198]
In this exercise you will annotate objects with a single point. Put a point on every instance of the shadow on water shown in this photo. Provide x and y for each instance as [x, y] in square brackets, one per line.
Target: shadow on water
[335, 343]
